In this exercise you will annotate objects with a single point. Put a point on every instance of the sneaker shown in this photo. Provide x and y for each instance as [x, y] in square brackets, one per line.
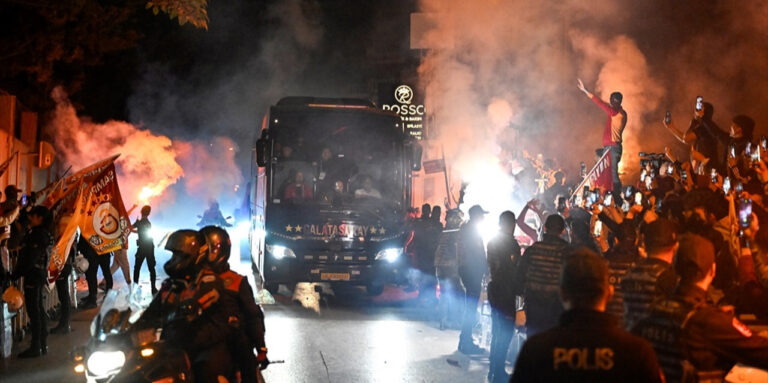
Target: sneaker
[88, 305]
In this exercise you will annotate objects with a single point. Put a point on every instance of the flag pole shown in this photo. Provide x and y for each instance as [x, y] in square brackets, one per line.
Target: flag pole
[445, 173]
[586, 179]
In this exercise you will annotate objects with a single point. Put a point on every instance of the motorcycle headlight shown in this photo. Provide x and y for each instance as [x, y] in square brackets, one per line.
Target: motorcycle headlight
[103, 363]
[280, 252]
[390, 255]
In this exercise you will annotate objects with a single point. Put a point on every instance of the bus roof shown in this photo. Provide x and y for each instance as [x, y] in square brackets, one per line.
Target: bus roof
[301, 105]
[296, 103]
[325, 102]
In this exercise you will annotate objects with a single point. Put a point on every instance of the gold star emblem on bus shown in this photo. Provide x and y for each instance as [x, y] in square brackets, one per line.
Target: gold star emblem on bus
[289, 228]
[373, 230]
[382, 231]
[297, 228]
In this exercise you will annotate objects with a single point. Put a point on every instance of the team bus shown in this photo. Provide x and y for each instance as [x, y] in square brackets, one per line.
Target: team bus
[332, 186]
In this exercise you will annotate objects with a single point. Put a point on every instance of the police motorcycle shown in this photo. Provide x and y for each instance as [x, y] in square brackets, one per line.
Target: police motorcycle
[119, 352]
[212, 216]
[129, 343]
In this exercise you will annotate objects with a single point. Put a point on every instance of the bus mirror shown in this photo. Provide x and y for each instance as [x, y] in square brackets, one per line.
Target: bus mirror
[262, 152]
[416, 152]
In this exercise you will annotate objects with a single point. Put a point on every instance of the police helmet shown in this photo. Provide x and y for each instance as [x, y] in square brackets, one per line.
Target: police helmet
[186, 248]
[218, 247]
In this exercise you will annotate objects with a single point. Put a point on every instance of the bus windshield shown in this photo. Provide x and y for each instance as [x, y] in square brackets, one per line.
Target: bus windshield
[337, 158]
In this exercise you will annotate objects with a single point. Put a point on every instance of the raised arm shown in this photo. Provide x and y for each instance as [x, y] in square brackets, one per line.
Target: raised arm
[527, 230]
[685, 138]
[10, 216]
[605, 107]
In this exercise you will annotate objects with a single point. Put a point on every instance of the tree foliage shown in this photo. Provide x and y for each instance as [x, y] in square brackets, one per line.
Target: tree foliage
[194, 12]
[46, 43]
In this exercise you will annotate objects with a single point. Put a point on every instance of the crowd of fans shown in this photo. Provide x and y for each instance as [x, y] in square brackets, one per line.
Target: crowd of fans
[685, 256]
[27, 237]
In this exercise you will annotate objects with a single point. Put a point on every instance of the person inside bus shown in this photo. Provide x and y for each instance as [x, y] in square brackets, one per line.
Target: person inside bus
[325, 164]
[298, 190]
[367, 190]
[286, 153]
[336, 195]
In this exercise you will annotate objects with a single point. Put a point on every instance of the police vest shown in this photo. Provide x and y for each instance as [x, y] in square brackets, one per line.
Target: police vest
[545, 260]
[665, 329]
[617, 272]
[639, 289]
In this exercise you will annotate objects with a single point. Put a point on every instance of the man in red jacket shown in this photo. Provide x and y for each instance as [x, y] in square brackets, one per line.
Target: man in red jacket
[614, 127]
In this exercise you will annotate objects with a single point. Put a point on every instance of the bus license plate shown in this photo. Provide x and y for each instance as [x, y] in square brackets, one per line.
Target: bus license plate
[334, 276]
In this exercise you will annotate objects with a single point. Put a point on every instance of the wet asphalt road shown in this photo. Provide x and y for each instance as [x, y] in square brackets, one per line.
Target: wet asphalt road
[357, 339]
[348, 337]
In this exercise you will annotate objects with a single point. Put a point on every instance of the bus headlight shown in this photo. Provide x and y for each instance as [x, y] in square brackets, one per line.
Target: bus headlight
[103, 363]
[280, 252]
[390, 255]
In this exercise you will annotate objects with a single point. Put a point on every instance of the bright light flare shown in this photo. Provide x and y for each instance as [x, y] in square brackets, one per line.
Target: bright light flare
[491, 187]
[488, 229]
[148, 193]
[156, 233]
[390, 255]
[241, 229]
[280, 252]
[103, 363]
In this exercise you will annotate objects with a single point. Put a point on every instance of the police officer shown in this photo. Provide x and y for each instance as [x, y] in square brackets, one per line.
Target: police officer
[473, 266]
[621, 258]
[503, 252]
[537, 276]
[33, 266]
[653, 277]
[243, 315]
[694, 339]
[588, 345]
[182, 309]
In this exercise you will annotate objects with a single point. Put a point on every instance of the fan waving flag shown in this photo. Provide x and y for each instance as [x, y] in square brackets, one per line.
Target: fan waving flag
[90, 200]
[600, 176]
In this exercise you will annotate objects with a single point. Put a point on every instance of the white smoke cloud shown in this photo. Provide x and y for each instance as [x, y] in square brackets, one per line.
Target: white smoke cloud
[503, 64]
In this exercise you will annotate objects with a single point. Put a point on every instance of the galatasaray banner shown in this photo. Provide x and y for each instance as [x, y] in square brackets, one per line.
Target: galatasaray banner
[601, 175]
[89, 199]
[67, 186]
[104, 221]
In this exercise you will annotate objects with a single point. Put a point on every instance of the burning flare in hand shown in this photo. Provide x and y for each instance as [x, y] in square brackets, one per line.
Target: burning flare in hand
[148, 192]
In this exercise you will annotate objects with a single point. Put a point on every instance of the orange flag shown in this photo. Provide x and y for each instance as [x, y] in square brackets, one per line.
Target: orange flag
[90, 200]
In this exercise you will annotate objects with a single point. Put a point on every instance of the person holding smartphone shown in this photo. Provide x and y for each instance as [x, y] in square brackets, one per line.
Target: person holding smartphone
[739, 134]
[614, 127]
[700, 133]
